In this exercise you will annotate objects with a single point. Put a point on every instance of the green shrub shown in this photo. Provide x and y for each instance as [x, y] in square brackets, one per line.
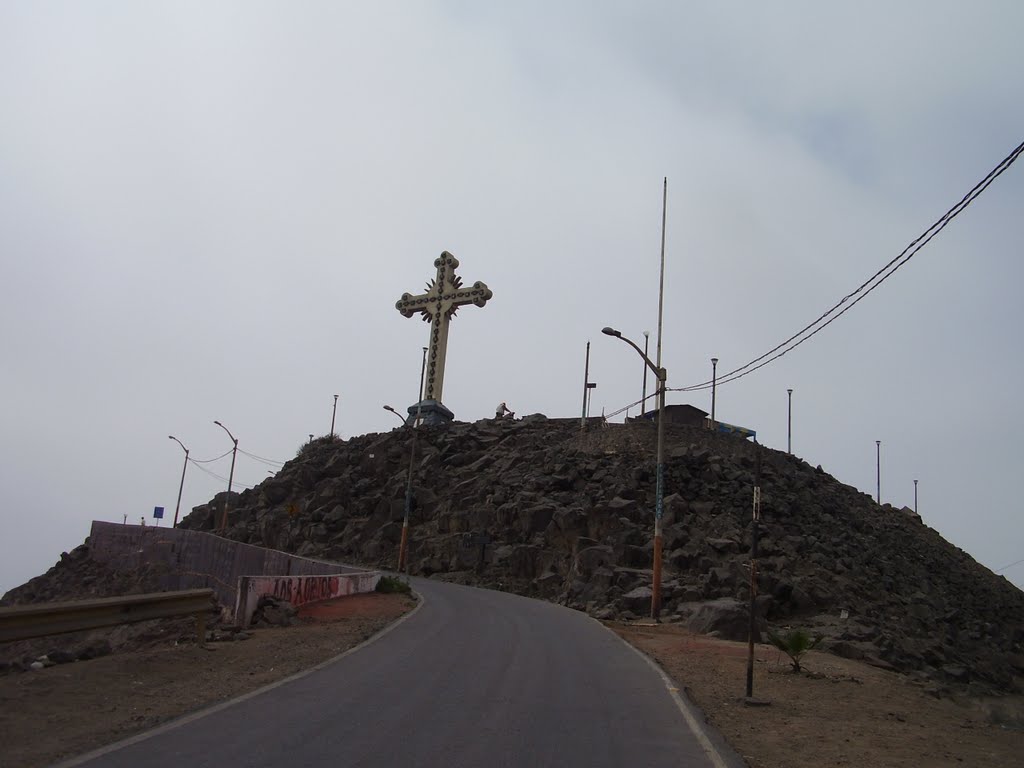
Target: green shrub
[390, 585]
[794, 644]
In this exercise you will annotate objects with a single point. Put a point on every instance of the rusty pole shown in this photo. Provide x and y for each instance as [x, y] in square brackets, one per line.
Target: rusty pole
[755, 531]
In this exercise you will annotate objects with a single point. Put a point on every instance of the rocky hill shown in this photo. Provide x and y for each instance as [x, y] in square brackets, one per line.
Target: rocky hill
[538, 507]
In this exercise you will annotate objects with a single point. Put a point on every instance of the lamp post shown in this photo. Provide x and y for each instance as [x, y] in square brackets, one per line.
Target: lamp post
[878, 469]
[389, 408]
[754, 537]
[915, 497]
[231, 476]
[181, 485]
[659, 493]
[714, 378]
[403, 547]
[789, 424]
[643, 401]
[333, 414]
[586, 390]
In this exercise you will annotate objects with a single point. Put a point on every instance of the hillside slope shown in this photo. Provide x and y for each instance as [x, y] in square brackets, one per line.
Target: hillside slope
[538, 507]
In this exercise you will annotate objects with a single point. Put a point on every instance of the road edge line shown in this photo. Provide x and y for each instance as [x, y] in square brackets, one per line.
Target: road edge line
[193, 716]
[686, 708]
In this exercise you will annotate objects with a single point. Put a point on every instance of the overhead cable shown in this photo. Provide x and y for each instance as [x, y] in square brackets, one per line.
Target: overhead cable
[851, 299]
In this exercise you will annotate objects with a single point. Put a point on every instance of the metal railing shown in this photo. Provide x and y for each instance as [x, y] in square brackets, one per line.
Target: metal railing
[21, 622]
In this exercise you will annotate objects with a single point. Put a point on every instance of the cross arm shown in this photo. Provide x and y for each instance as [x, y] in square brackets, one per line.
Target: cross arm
[409, 305]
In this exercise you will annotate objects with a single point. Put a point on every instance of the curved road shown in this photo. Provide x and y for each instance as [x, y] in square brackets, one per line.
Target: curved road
[473, 678]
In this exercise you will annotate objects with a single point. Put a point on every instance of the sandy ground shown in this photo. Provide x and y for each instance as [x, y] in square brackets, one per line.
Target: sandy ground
[838, 713]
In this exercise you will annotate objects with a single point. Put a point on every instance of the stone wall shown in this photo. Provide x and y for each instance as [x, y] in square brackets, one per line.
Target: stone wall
[187, 559]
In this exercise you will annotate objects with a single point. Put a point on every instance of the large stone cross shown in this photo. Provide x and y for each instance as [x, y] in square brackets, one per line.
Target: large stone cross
[438, 306]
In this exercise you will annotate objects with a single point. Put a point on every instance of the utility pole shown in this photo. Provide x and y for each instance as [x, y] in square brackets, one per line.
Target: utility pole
[403, 547]
[231, 476]
[789, 427]
[915, 498]
[181, 485]
[662, 384]
[643, 400]
[714, 377]
[586, 390]
[878, 469]
[755, 531]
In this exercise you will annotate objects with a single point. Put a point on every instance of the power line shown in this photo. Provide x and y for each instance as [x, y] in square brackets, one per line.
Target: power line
[260, 458]
[221, 477]
[838, 309]
[208, 461]
[1007, 567]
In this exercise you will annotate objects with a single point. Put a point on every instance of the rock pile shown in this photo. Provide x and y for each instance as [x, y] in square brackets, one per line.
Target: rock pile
[538, 507]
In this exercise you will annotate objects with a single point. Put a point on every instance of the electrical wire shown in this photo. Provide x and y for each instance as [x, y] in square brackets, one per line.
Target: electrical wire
[208, 461]
[260, 458]
[1007, 567]
[222, 478]
[854, 297]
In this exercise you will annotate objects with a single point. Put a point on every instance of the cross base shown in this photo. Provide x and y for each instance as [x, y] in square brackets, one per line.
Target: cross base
[431, 412]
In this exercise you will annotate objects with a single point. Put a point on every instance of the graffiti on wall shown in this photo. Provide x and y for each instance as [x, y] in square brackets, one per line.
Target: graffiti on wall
[306, 589]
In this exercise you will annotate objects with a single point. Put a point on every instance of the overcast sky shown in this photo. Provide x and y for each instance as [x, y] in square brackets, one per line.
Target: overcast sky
[208, 211]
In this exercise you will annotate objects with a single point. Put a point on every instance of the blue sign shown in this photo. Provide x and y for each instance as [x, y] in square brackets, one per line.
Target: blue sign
[158, 512]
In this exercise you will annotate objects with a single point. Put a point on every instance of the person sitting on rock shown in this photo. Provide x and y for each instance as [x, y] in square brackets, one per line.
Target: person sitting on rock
[502, 412]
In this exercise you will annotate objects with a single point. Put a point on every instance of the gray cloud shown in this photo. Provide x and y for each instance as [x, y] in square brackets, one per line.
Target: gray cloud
[209, 212]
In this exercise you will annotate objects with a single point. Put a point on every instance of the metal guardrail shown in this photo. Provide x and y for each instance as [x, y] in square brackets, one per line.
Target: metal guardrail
[26, 621]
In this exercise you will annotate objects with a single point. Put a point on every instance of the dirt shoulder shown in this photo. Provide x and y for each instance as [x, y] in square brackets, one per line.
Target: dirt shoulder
[838, 712]
[69, 709]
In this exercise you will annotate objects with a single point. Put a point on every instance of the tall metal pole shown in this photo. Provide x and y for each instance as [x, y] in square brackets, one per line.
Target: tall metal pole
[231, 476]
[586, 388]
[333, 414]
[181, 485]
[878, 468]
[423, 371]
[643, 401]
[403, 547]
[754, 535]
[660, 488]
[789, 427]
[915, 497]
[714, 379]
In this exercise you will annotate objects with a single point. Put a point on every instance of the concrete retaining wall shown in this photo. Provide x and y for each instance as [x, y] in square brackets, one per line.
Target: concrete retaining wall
[299, 590]
[188, 559]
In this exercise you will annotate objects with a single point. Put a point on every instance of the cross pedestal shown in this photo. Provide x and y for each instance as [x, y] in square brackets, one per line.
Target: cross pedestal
[430, 412]
[444, 295]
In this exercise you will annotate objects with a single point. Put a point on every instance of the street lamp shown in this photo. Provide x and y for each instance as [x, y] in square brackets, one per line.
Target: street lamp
[915, 497]
[714, 377]
[231, 476]
[389, 408]
[659, 493]
[423, 378]
[643, 401]
[181, 485]
[789, 424]
[403, 546]
[333, 414]
[878, 469]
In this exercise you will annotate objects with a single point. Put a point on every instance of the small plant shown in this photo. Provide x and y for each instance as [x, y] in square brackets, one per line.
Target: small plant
[795, 644]
[390, 585]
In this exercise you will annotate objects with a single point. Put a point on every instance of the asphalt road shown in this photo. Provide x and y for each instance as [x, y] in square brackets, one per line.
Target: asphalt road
[474, 678]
